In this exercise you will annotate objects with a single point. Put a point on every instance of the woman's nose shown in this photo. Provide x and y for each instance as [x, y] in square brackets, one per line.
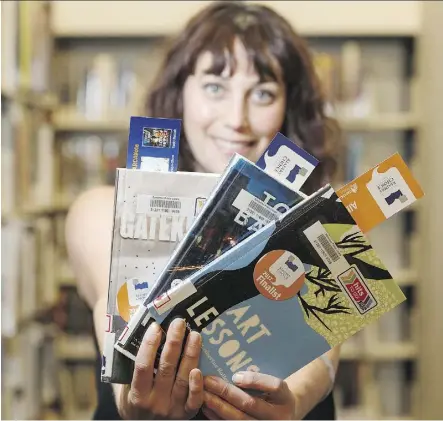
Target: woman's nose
[237, 115]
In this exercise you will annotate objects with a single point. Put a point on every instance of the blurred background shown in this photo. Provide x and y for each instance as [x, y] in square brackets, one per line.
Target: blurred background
[73, 72]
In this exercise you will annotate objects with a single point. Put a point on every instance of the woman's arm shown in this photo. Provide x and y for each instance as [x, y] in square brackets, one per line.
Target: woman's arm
[313, 382]
[88, 233]
[177, 390]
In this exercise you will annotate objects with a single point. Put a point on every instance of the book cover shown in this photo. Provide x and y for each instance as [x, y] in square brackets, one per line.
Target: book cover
[153, 144]
[380, 192]
[284, 296]
[152, 213]
[245, 200]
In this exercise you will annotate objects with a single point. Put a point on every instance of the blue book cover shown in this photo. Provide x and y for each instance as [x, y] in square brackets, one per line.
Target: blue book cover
[153, 144]
[245, 200]
[284, 296]
[287, 162]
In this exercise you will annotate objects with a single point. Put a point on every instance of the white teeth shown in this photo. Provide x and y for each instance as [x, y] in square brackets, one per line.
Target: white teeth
[233, 146]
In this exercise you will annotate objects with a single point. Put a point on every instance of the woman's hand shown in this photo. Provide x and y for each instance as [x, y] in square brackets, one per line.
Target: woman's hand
[176, 390]
[223, 400]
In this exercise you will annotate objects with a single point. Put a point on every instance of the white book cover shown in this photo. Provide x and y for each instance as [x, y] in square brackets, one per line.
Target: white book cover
[152, 213]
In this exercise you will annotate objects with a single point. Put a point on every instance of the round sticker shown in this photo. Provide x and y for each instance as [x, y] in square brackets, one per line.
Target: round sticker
[279, 275]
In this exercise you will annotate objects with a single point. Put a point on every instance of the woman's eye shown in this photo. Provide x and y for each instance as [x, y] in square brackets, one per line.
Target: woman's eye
[263, 96]
[214, 89]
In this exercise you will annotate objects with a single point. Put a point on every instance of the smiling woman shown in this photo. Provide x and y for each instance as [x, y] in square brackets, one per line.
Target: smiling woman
[236, 76]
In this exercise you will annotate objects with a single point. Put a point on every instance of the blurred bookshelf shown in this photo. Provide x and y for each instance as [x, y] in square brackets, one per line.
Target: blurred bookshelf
[67, 93]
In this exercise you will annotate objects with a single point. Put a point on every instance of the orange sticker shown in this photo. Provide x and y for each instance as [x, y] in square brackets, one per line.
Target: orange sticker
[279, 275]
[380, 192]
[124, 308]
[130, 295]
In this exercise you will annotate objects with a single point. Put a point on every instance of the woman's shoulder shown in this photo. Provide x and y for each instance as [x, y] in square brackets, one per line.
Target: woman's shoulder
[88, 236]
[92, 203]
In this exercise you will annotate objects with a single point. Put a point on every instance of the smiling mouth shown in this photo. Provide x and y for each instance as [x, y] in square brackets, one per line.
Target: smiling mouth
[230, 147]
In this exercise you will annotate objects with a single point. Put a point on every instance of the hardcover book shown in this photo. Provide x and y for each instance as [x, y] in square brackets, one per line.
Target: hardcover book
[153, 211]
[301, 285]
[245, 200]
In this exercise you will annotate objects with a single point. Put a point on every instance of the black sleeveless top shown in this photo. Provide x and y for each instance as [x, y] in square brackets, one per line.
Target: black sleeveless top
[107, 410]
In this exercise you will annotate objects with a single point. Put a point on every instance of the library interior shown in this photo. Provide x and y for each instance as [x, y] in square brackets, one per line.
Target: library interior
[72, 75]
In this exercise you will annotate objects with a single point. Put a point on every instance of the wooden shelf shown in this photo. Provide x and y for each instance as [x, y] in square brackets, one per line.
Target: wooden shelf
[75, 347]
[78, 19]
[37, 210]
[45, 101]
[379, 123]
[67, 120]
[379, 352]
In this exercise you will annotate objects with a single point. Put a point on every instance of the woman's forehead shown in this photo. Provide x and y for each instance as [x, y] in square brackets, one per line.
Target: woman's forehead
[228, 62]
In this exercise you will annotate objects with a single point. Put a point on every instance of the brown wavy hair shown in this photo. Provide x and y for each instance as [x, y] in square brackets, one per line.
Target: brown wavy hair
[269, 40]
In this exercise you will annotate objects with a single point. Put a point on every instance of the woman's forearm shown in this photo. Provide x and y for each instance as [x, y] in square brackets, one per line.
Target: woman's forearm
[310, 384]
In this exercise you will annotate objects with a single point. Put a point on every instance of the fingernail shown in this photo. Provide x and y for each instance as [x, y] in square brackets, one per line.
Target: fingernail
[238, 377]
[154, 327]
[178, 323]
[197, 376]
[195, 336]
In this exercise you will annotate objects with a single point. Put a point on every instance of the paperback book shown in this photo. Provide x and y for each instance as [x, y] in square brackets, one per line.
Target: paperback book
[153, 211]
[299, 286]
[245, 200]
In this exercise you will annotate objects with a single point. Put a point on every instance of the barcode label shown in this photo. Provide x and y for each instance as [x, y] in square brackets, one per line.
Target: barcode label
[326, 248]
[330, 249]
[255, 208]
[261, 212]
[167, 205]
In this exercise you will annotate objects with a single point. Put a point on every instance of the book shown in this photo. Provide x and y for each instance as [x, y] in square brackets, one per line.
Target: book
[381, 192]
[153, 210]
[245, 199]
[153, 144]
[284, 296]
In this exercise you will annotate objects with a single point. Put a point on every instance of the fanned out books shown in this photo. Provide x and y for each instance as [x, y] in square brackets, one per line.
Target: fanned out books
[298, 287]
[259, 268]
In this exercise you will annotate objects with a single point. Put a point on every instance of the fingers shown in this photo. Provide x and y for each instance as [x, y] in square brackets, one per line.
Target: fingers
[217, 408]
[195, 397]
[189, 361]
[144, 363]
[210, 414]
[226, 397]
[167, 366]
[276, 389]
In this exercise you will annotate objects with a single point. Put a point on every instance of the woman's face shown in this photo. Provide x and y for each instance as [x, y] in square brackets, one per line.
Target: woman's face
[225, 114]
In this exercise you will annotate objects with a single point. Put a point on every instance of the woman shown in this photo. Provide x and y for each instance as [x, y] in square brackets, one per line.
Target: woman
[236, 76]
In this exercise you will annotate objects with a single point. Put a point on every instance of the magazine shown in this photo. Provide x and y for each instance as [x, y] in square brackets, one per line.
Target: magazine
[284, 296]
